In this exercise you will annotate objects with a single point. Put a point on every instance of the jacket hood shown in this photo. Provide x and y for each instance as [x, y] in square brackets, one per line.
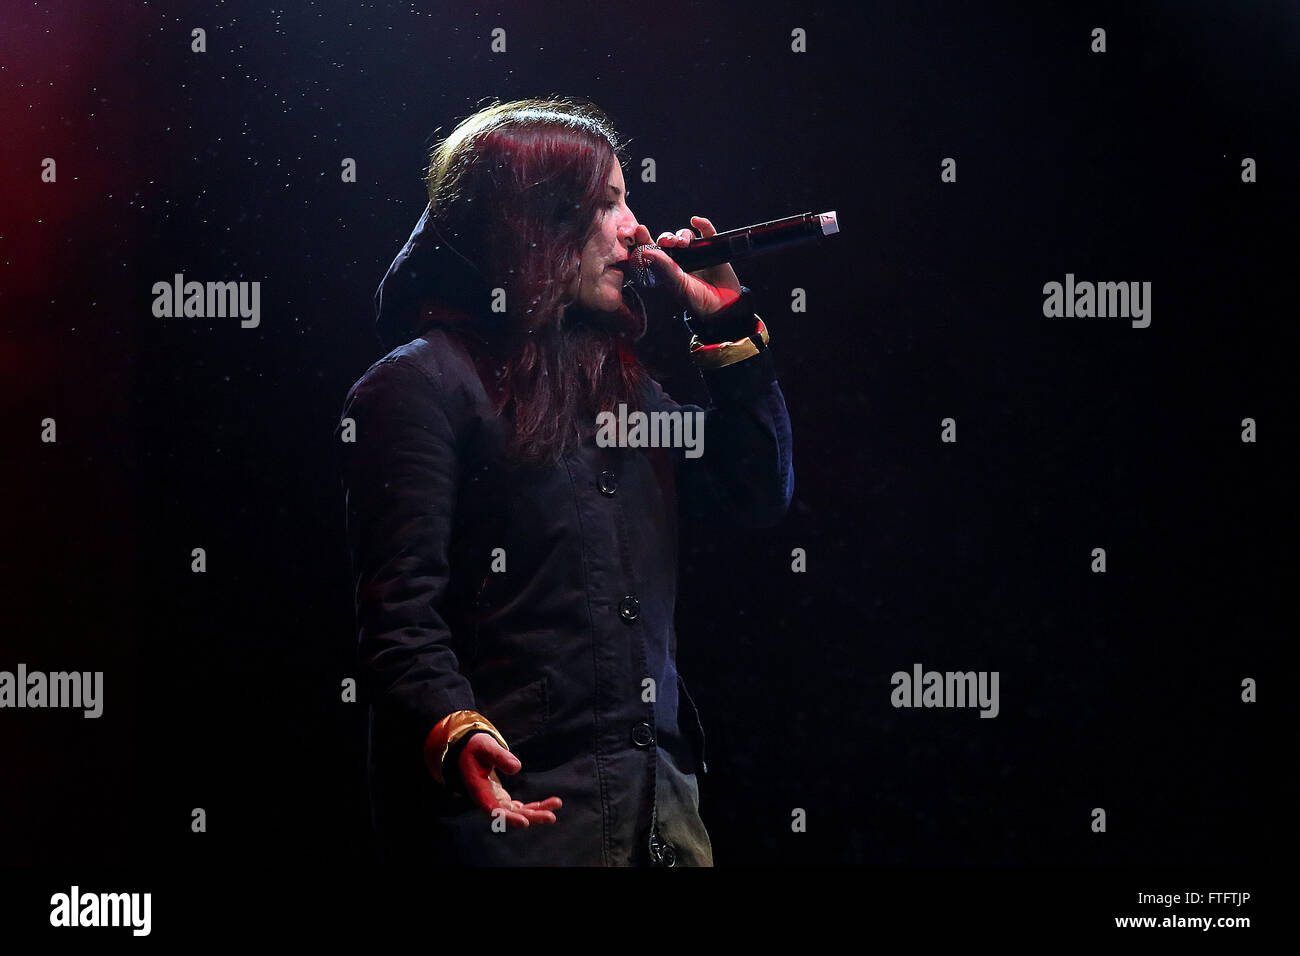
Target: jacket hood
[427, 282]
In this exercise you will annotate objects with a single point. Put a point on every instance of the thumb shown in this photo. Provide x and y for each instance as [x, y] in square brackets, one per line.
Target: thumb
[503, 759]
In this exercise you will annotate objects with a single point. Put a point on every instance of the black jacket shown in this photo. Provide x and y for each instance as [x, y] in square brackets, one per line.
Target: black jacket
[555, 650]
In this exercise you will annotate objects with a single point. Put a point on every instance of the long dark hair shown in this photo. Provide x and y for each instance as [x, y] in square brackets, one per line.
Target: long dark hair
[515, 191]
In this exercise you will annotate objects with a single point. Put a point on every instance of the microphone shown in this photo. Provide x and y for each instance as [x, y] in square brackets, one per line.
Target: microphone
[735, 244]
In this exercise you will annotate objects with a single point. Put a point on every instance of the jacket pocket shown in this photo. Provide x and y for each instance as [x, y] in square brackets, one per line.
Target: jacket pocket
[693, 728]
[521, 714]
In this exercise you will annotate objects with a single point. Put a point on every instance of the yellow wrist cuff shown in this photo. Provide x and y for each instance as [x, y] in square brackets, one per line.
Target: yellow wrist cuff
[727, 353]
[451, 729]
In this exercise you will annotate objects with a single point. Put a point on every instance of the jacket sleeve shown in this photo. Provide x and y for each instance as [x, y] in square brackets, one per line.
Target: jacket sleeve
[745, 474]
[400, 477]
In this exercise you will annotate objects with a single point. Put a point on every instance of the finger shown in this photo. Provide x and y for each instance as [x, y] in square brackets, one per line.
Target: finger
[516, 813]
[705, 227]
[550, 803]
[538, 816]
[641, 235]
[507, 762]
[685, 235]
[666, 237]
[492, 756]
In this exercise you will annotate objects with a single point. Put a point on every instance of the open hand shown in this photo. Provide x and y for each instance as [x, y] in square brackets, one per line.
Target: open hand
[479, 762]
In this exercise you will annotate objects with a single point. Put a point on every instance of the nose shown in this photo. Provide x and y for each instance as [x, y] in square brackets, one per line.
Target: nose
[627, 229]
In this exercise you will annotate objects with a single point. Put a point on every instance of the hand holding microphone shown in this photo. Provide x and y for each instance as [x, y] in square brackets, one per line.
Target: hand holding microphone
[710, 254]
[705, 291]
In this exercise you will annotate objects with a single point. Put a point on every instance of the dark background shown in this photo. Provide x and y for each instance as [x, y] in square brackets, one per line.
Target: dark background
[1119, 690]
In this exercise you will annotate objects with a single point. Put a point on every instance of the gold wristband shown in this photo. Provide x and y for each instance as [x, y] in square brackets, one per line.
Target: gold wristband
[451, 729]
[727, 353]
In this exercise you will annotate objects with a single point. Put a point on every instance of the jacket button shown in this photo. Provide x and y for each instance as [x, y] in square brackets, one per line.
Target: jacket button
[608, 484]
[643, 735]
[629, 608]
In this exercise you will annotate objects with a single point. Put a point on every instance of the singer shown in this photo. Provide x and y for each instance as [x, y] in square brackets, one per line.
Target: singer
[516, 580]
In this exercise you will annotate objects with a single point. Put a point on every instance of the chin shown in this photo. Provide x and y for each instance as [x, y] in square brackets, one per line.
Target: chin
[606, 305]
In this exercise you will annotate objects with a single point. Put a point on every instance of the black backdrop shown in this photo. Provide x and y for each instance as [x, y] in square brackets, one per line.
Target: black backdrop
[1119, 690]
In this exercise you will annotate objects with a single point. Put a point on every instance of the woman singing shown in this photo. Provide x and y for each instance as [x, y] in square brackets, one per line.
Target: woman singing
[515, 573]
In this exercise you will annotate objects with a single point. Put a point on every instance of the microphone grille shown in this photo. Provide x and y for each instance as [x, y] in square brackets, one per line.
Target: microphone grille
[638, 269]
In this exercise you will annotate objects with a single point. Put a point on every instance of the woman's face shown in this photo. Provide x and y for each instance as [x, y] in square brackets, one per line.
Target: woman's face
[600, 279]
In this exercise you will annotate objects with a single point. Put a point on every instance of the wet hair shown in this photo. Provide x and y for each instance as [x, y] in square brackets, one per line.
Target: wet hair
[515, 192]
